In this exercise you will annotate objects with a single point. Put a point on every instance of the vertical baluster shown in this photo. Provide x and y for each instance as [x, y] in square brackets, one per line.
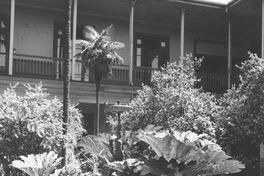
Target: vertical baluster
[20, 65]
[32, 68]
[45, 68]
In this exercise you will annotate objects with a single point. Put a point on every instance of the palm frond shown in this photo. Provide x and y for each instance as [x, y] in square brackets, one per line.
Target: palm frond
[90, 33]
[119, 60]
[84, 43]
[106, 38]
[116, 45]
[109, 29]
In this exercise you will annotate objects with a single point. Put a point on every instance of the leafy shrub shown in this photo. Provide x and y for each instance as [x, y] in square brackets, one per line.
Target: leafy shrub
[173, 101]
[241, 119]
[32, 124]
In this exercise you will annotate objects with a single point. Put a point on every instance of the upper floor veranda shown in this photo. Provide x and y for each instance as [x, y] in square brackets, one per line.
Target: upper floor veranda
[155, 32]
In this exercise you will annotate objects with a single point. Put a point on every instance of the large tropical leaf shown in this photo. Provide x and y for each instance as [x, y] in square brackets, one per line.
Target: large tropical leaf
[38, 165]
[214, 163]
[170, 147]
[199, 155]
[96, 145]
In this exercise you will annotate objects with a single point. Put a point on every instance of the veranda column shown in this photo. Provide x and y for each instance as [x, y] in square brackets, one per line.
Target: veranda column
[182, 32]
[131, 40]
[261, 151]
[11, 42]
[74, 29]
[229, 62]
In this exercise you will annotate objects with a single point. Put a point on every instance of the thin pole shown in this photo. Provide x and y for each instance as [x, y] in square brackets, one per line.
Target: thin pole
[229, 62]
[131, 41]
[182, 32]
[74, 22]
[66, 76]
[11, 43]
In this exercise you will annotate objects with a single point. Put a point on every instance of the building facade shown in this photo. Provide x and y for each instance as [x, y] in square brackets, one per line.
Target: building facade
[154, 31]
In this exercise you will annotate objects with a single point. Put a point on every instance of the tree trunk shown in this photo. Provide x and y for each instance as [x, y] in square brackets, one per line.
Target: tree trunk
[98, 86]
[66, 76]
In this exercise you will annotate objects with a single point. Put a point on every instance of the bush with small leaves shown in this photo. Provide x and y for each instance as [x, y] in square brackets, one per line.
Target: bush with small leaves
[173, 101]
[32, 124]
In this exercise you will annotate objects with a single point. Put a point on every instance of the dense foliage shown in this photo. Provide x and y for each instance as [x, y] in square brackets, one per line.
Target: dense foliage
[173, 101]
[158, 152]
[32, 124]
[241, 120]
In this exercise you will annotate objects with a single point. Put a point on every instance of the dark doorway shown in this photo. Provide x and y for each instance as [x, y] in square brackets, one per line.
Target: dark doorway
[88, 122]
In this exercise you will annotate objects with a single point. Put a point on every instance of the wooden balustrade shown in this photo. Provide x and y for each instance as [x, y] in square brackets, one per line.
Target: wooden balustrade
[36, 66]
[212, 83]
[52, 68]
[142, 75]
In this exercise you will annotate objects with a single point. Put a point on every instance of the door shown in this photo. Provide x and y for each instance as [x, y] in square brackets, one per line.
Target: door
[88, 122]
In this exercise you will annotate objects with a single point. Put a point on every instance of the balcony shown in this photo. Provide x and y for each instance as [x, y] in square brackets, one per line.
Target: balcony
[52, 68]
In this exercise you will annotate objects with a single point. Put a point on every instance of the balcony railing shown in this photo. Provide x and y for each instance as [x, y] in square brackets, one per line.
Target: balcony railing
[212, 82]
[52, 68]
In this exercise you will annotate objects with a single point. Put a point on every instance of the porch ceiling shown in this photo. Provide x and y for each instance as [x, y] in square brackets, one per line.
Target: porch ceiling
[245, 14]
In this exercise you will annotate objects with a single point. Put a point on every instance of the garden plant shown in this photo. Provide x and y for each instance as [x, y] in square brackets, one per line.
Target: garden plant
[32, 124]
[98, 56]
[240, 122]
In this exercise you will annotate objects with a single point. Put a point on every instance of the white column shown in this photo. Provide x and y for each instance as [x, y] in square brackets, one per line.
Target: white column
[11, 43]
[182, 32]
[74, 31]
[229, 63]
[131, 41]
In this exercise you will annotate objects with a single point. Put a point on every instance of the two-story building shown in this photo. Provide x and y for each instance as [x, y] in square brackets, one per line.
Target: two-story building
[154, 31]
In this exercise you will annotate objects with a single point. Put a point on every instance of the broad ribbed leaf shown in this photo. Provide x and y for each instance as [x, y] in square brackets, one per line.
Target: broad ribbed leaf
[228, 166]
[161, 143]
[181, 152]
[96, 145]
[38, 165]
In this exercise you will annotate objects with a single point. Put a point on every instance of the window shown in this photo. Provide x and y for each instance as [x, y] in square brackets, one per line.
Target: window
[4, 42]
[4, 34]
[58, 40]
[151, 50]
